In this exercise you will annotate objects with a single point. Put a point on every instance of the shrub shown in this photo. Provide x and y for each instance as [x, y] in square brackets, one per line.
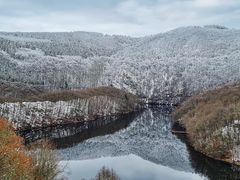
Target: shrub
[15, 163]
[45, 161]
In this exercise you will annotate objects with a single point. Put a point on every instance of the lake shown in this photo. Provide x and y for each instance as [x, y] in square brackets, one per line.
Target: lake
[138, 146]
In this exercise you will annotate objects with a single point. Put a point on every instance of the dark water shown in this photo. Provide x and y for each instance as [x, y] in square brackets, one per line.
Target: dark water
[137, 146]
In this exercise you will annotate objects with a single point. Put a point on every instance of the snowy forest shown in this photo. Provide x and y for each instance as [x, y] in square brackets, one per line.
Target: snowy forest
[161, 68]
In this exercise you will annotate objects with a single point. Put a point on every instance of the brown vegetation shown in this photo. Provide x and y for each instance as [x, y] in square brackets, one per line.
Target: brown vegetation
[83, 94]
[17, 163]
[45, 161]
[12, 90]
[205, 117]
[66, 95]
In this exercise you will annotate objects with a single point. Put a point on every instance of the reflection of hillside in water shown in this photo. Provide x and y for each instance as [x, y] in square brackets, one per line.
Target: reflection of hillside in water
[71, 134]
[148, 136]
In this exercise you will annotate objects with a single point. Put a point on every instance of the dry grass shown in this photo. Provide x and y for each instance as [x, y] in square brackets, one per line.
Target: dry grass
[45, 161]
[205, 115]
[18, 90]
[75, 94]
[82, 94]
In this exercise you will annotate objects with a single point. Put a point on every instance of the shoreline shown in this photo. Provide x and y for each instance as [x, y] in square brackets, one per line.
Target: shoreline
[184, 133]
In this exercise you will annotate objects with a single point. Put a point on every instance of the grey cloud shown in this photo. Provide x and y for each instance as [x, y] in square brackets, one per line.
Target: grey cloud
[130, 17]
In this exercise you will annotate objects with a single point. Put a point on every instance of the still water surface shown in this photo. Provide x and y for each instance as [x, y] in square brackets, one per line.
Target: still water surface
[138, 147]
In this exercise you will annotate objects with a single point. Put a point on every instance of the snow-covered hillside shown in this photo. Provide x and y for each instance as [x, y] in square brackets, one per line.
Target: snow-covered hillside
[51, 109]
[179, 62]
[163, 67]
[41, 114]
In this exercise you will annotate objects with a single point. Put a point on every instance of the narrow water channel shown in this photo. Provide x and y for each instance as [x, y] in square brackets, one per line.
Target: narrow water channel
[137, 146]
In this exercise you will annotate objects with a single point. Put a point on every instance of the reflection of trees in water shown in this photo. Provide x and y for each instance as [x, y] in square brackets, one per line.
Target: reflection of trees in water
[70, 134]
[148, 136]
[100, 127]
[152, 128]
[106, 174]
[213, 169]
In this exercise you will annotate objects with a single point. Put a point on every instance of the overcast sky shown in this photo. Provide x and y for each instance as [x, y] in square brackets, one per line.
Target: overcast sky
[126, 17]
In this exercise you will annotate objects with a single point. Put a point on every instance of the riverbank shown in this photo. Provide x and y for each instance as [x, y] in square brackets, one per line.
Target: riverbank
[63, 107]
[212, 123]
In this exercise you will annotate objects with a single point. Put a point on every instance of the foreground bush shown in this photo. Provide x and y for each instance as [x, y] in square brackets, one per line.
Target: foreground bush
[14, 162]
[45, 162]
[212, 120]
[17, 163]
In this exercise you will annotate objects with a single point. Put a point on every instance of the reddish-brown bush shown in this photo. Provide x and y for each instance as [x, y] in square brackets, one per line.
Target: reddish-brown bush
[15, 163]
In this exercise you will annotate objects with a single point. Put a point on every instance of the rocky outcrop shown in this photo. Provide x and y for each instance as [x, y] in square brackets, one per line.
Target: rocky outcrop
[78, 108]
